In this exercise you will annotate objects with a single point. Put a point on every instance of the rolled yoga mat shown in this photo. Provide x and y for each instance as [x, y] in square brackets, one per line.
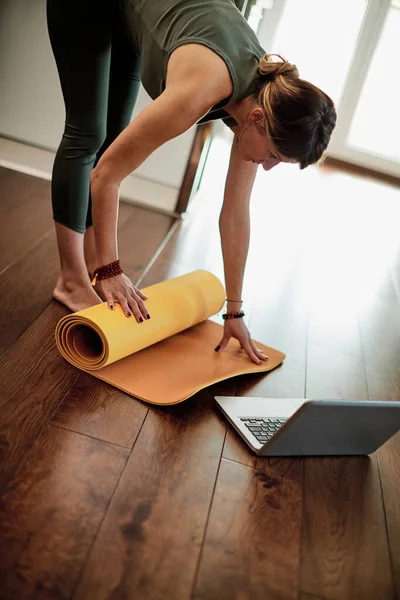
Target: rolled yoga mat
[169, 357]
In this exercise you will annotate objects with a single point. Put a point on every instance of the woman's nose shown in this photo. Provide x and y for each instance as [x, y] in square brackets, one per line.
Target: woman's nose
[270, 163]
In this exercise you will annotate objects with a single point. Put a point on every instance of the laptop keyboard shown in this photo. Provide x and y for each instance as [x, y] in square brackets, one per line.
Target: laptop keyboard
[263, 428]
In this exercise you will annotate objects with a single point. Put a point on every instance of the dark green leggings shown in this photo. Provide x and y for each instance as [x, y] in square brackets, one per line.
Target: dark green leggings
[100, 78]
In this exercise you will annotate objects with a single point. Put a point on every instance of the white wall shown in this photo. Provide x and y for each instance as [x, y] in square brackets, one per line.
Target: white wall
[31, 105]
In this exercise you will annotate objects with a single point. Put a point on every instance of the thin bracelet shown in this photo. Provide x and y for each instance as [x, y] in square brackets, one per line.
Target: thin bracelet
[227, 300]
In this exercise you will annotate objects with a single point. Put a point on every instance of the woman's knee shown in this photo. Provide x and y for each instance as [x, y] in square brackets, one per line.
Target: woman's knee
[83, 141]
[112, 134]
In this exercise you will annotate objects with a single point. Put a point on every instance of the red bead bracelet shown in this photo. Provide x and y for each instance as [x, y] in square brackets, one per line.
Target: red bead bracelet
[105, 272]
[233, 315]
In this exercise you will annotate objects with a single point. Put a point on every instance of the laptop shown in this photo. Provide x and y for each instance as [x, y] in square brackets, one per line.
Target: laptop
[298, 427]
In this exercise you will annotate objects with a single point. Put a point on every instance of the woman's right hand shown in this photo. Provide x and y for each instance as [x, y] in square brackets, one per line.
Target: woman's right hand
[120, 289]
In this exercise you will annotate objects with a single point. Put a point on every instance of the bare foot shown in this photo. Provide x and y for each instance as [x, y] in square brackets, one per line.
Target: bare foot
[74, 296]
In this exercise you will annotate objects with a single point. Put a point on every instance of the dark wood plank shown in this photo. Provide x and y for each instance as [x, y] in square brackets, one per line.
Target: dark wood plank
[95, 408]
[150, 540]
[140, 237]
[26, 289]
[344, 552]
[236, 450]
[389, 466]
[26, 214]
[252, 544]
[50, 515]
[344, 549]
[380, 329]
[33, 380]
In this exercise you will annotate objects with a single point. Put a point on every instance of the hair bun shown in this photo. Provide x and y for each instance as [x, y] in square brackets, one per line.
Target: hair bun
[272, 69]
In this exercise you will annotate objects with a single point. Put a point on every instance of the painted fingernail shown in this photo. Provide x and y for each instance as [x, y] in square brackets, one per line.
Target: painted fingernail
[129, 314]
[148, 317]
[141, 319]
[218, 348]
[112, 307]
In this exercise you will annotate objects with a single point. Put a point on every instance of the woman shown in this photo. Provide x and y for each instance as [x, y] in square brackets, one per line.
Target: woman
[198, 61]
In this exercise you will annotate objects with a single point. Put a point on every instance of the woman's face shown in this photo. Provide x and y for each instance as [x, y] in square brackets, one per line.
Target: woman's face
[257, 147]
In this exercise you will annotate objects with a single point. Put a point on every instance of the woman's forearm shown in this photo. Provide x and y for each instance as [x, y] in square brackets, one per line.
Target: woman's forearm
[105, 217]
[235, 238]
[234, 223]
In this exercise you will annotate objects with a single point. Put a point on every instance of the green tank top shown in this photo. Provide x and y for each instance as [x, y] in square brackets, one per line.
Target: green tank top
[158, 27]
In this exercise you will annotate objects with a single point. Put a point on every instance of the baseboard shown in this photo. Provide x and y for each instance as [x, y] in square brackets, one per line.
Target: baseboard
[135, 190]
[353, 168]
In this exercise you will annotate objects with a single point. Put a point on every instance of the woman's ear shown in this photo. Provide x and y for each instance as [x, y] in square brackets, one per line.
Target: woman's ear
[257, 116]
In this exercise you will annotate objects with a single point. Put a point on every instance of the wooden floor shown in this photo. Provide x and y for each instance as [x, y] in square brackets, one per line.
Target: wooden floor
[105, 497]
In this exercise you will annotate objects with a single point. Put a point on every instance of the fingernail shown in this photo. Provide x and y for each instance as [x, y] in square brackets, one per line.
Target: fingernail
[259, 362]
[112, 307]
[141, 319]
[129, 314]
[218, 348]
[148, 316]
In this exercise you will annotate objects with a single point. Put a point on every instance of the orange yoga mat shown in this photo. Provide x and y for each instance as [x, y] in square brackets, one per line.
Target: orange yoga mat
[165, 359]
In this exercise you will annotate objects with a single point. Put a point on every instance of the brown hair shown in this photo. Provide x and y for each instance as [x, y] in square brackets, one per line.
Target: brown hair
[299, 117]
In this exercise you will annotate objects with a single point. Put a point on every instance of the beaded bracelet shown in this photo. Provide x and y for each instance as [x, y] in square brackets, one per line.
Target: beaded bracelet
[233, 315]
[106, 271]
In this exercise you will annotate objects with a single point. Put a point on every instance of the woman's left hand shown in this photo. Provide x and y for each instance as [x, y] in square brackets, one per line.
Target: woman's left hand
[237, 329]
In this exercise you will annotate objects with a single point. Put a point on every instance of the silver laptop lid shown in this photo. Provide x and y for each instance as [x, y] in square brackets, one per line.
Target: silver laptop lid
[334, 427]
